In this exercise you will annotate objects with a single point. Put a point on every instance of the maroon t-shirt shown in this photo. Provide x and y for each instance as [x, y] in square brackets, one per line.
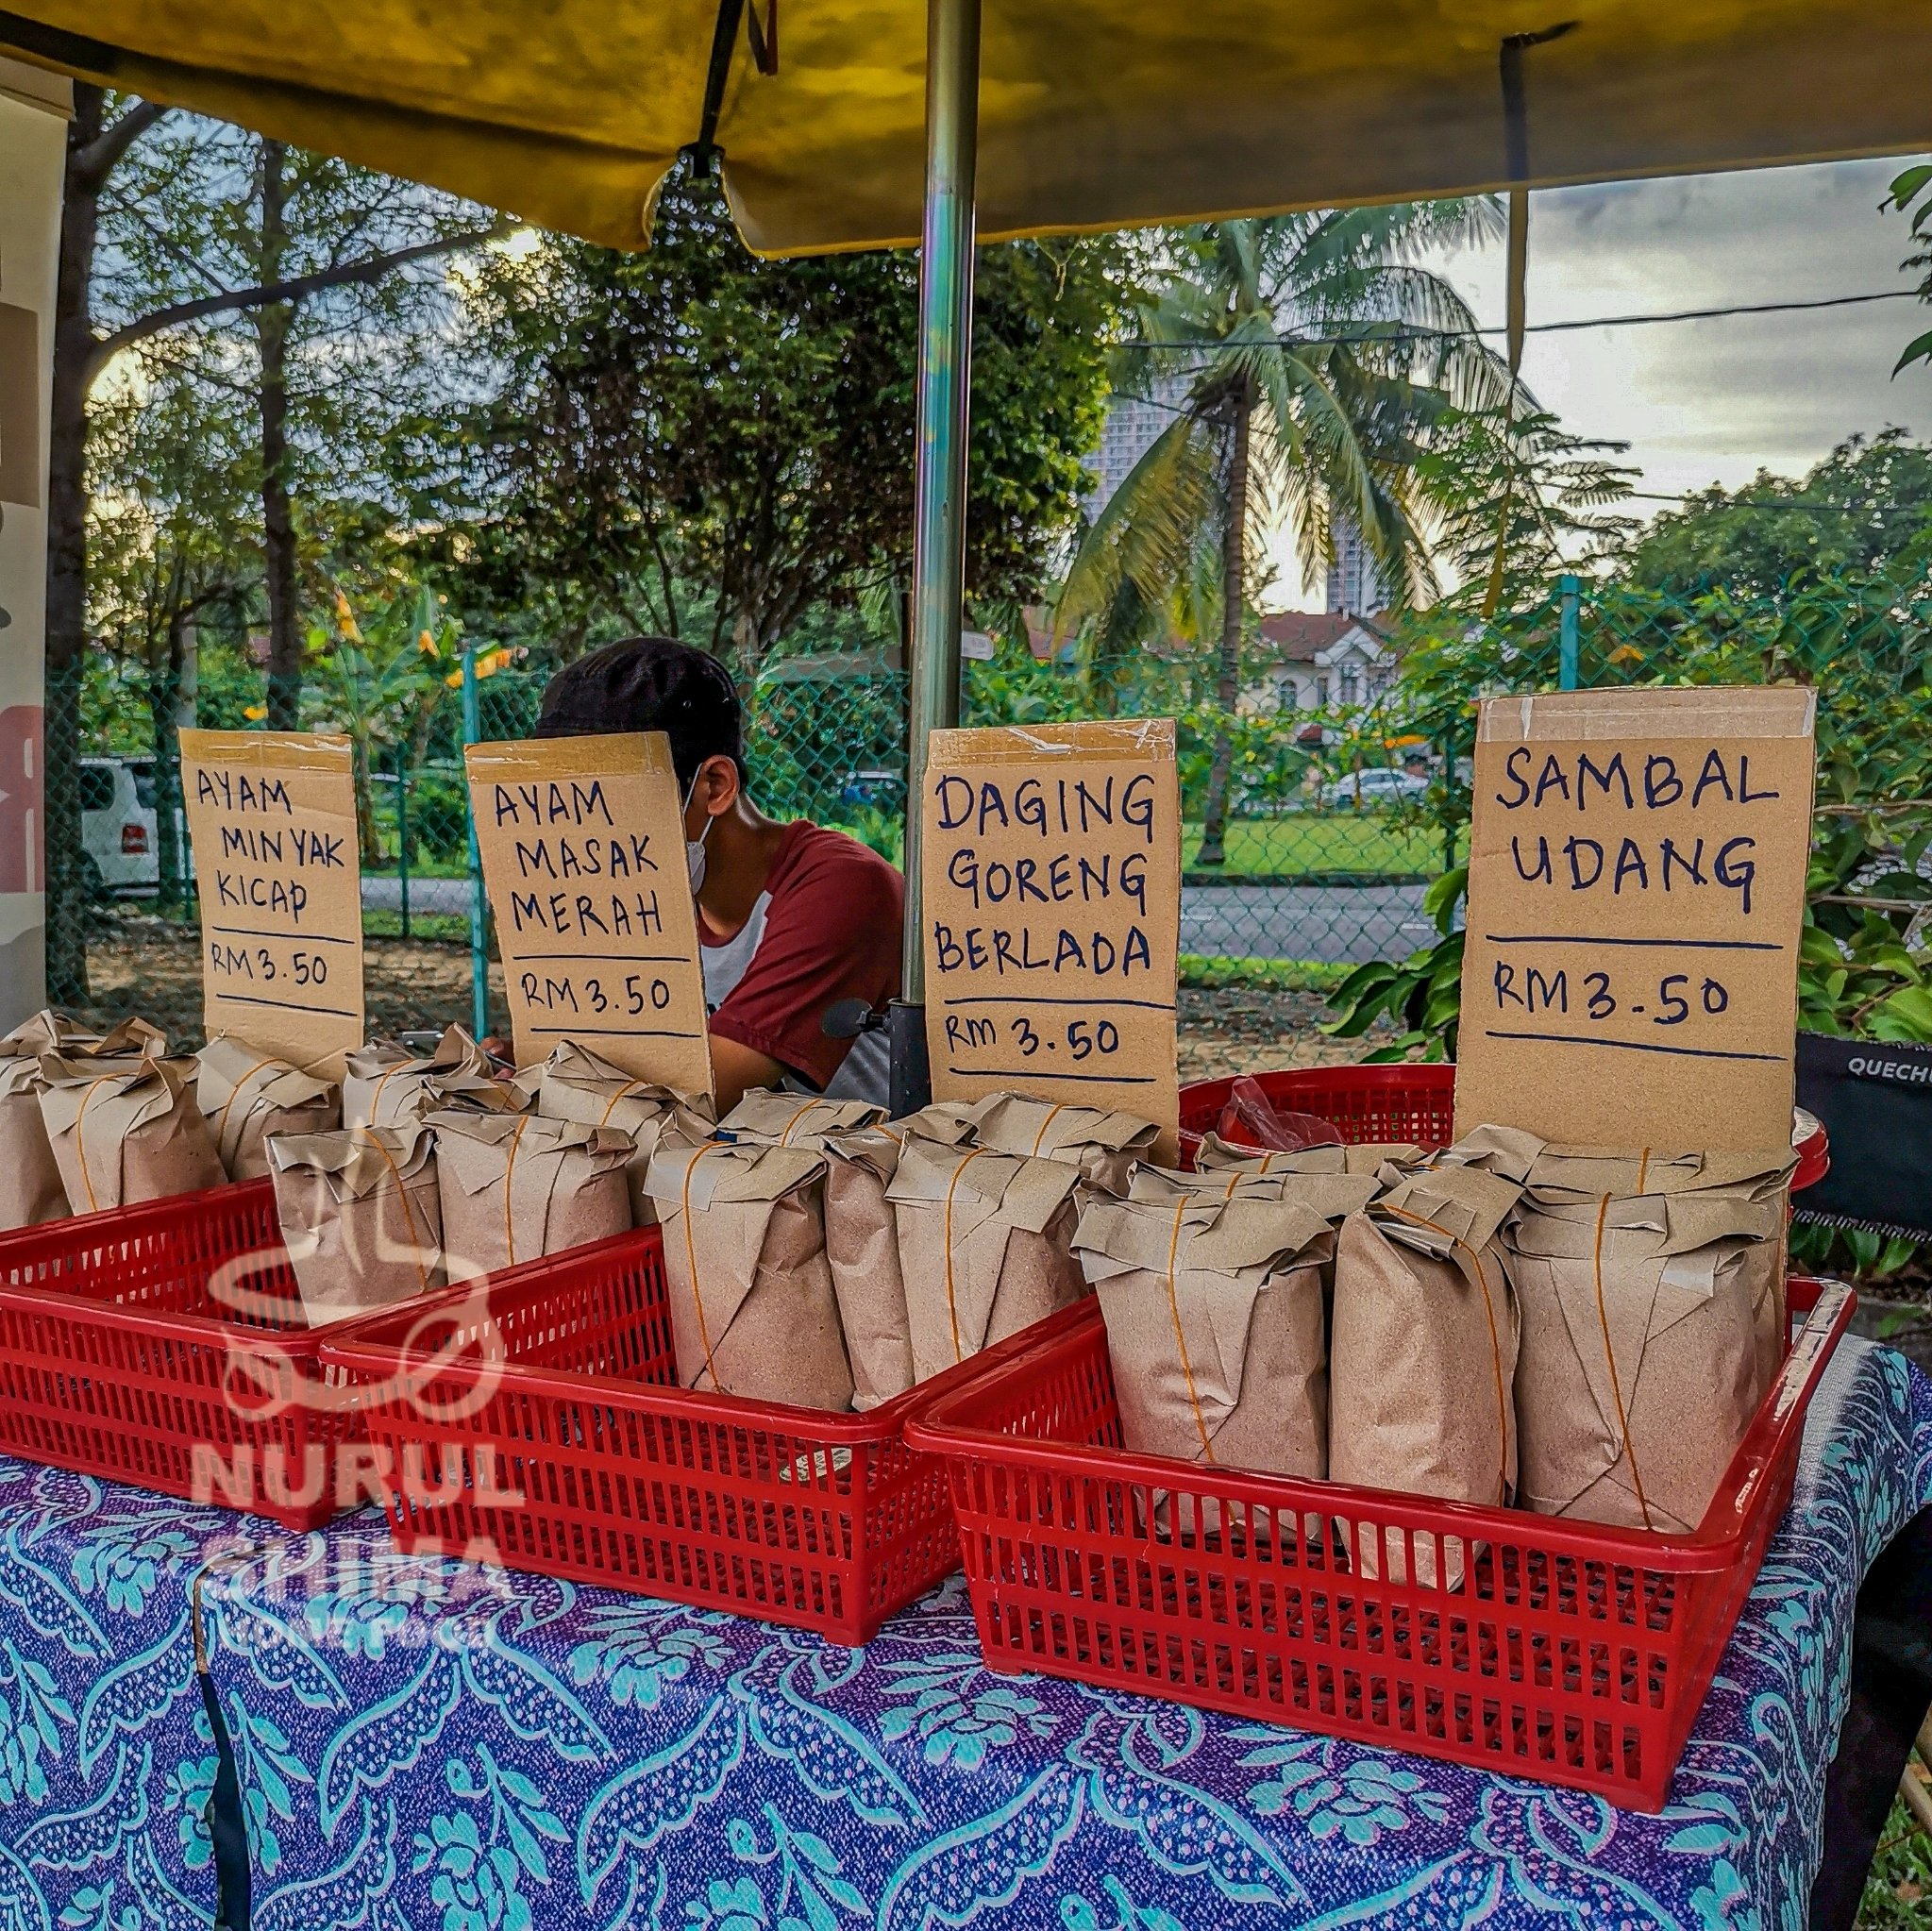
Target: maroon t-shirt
[832, 914]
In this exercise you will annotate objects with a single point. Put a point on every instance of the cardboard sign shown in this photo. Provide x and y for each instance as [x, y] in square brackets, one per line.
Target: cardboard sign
[582, 845]
[272, 819]
[1636, 886]
[1051, 901]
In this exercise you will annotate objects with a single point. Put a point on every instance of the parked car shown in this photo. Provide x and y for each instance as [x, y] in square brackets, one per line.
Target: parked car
[1369, 789]
[118, 840]
[885, 789]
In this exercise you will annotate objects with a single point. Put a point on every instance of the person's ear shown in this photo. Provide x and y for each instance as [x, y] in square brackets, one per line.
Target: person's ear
[717, 784]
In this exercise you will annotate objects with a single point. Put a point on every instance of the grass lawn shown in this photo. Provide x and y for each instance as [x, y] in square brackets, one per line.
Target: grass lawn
[1332, 841]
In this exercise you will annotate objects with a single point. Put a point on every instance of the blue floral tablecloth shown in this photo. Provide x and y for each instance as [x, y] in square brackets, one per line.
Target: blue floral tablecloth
[430, 1745]
[107, 1755]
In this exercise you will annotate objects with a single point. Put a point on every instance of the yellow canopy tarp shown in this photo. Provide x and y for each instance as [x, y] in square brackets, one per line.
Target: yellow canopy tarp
[1093, 113]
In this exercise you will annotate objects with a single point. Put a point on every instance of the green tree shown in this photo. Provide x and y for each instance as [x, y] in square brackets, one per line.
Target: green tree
[384, 689]
[152, 200]
[170, 540]
[1312, 355]
[696, 442]
[1558, 491]
[1911, 193]
[1863, 505]
[334, 288]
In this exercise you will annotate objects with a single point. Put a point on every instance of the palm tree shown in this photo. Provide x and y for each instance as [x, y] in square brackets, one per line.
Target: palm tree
[1311, 354]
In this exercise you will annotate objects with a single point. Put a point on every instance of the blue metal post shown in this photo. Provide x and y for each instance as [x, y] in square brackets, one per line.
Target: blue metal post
[946, 333]
[480, 948]
[1566, 645]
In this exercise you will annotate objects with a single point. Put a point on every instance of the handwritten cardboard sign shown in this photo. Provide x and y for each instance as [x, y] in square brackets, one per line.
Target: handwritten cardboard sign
[1053, 914]
[272, 819]
[1636, 886]
[582, 845]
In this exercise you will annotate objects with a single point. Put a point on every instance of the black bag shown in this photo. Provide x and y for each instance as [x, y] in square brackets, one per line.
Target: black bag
[1876, 1100]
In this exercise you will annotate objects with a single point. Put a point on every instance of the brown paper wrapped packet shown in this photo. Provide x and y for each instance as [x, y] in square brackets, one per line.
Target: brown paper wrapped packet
[753, 1311]
[58, 1033]
[1212, 1292]
[862, 1249]
[386, 1086]
[1104, 1146]
[1422, 1344]
[794, 1119]
[245, 1095]
[1650, 1289]
[1219, 1155]
[861, 1244]
[358, 1215]
[31, 1190]
[478, 1094]
[126, 1130]
[985, 1246]
[516, 1186]
[577, 1083]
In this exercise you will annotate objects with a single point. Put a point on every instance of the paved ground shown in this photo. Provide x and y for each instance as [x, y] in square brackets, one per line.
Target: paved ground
[451, 896]
[1349, 923]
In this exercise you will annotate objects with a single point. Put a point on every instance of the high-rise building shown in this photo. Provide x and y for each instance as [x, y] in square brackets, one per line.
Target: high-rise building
[1354, 584]
[1131, 425]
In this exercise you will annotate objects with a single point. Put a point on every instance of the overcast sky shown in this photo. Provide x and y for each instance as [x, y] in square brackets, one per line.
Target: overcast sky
[1704, 402]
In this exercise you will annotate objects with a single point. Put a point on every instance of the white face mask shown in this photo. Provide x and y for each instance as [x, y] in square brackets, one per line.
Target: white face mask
[694, 848]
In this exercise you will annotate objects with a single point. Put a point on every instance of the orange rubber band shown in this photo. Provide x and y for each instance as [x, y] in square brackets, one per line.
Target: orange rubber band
[953, 1305]
[221, 1125]
[1058, 1108]
[509, 1169]
[1610, 1356]
[409, 1213]
[1174, 1310]
[80, 1138]
[691, 1261]
[376, 1091]
[622, 1093]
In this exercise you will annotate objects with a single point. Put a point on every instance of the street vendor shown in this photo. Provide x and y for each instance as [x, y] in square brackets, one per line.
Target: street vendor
[792, 918]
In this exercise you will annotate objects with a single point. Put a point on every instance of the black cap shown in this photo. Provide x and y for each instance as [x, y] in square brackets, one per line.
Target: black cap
[651, 683]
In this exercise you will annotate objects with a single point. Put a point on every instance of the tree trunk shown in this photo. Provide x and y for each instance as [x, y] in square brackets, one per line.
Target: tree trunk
[1214, 834]
[362, 764]
[278, 523]
[66, 635]
[167, 689]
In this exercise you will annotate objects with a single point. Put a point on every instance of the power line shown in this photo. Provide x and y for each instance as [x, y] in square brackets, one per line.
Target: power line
[1359, 338]
[1746, 502]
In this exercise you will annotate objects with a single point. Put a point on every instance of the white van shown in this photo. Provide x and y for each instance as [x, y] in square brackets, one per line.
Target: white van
[119, 845]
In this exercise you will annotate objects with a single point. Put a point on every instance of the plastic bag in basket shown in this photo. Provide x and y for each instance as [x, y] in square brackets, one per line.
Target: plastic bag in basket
[1250, 1119]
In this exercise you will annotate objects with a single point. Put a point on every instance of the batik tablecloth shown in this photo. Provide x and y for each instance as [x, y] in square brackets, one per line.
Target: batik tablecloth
[107, 1755]
[427, 1744]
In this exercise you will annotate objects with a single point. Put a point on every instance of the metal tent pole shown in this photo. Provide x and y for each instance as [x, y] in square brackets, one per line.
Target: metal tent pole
[479, 930]
[946, 330]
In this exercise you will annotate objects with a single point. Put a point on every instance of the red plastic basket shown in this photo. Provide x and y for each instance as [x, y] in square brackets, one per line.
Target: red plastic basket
[540, 1426]
[1412, 1101]
[1408, 1103]
[1539, 1648]
[164, 1345]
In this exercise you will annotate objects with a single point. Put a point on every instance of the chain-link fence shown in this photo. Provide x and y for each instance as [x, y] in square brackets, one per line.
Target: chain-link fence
[1347, 794]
